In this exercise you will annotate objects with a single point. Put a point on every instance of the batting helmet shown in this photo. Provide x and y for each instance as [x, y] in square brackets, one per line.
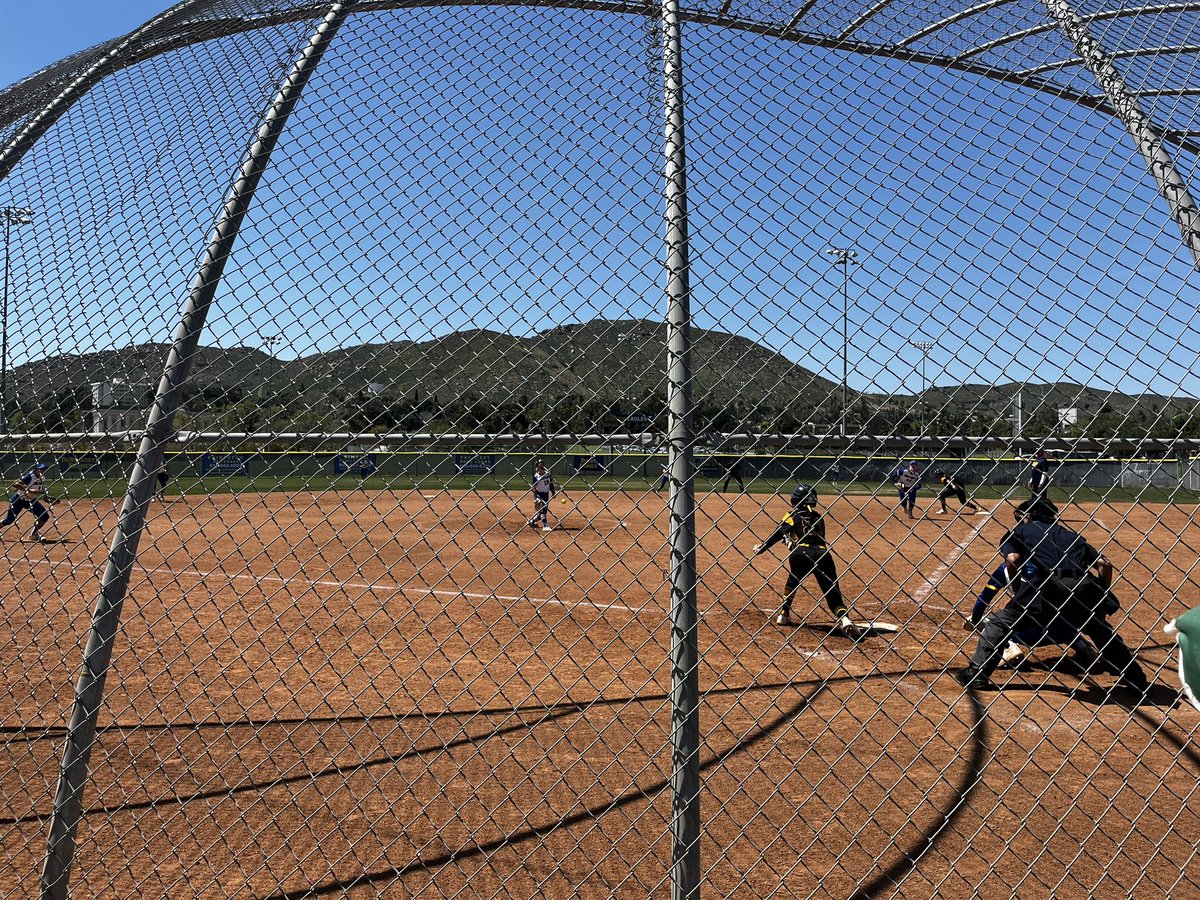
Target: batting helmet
[41, 466]
[804, 495]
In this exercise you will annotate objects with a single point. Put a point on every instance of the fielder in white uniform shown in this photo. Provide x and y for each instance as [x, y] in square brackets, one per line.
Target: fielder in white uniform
[543, 489]
[28, 493]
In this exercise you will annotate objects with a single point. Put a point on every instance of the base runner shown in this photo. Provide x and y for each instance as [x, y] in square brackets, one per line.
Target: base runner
[29, 492]
[803, 532]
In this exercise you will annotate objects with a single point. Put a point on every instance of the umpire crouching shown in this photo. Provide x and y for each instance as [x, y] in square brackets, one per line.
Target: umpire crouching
[1061, 578]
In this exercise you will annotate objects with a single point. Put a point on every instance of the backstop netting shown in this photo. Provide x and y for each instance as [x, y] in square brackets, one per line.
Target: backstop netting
[423, 389]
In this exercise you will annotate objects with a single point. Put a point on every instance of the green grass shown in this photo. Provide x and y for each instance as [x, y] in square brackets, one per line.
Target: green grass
[191, 485]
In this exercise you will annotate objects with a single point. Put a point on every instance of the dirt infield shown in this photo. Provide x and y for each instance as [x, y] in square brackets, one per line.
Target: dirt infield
[416, 694]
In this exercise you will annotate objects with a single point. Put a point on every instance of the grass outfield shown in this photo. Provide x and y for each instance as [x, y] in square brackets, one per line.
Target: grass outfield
[192, 485]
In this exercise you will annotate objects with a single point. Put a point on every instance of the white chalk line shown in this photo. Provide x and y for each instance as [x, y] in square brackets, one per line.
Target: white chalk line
[939, 574]
[389, 587]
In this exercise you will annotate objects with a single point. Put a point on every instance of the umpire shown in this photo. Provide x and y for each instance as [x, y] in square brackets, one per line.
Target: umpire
[1061, 579]
[803, 531]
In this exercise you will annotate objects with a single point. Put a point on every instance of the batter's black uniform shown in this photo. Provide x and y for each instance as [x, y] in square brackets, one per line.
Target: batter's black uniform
[1054, 588]
[809, 555]
[734, 472]
[952, 486]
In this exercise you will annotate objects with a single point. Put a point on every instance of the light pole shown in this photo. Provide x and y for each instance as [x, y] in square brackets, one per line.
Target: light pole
[264, 389]
[924, 347]
[13, 215]
[845, 257]
[267, 344]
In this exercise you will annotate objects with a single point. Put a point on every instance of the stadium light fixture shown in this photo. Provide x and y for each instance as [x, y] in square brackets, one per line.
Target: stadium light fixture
[845, 257]
[12, 215]
[924, 347]
[268, 344]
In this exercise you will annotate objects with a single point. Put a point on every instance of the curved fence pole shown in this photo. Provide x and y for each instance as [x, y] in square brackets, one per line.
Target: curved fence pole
[1171, 184]
[685, 680]
[23, 140]
[89, 690]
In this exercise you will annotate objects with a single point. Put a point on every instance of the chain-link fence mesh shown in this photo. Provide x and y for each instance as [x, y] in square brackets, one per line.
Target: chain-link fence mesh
[403, 610]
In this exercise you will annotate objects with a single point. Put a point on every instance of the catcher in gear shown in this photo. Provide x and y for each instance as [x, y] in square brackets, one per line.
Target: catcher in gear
[803, 531]
[29, 492]
[1058, 631]
[1060, 578]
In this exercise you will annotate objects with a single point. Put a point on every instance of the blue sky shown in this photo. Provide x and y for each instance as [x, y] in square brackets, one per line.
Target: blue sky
[1022, 257]
[37, 34]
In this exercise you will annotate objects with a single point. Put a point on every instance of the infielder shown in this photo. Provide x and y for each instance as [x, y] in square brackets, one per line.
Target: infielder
[544, 488]
[163, 477]
[29, 492]
[908, 482]
[803, 531]
[734, 473]
[1039, 475]
[953, 487]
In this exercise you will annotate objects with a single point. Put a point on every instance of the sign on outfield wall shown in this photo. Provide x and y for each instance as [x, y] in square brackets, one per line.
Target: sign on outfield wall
[590, 465]
[359, 465]
[475, 463]
[225, 464]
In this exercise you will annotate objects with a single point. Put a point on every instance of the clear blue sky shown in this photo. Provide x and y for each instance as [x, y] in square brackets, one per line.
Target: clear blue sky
[37, 34]
[1022, 259]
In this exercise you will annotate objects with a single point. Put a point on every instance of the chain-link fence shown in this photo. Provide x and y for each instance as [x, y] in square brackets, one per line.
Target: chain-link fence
[424, 392]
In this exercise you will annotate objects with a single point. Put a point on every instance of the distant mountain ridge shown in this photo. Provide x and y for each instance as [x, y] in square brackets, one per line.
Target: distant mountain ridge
[617, 363]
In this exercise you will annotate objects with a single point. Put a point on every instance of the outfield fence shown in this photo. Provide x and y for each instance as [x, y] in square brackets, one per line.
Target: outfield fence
[631, 470]
[769, 244]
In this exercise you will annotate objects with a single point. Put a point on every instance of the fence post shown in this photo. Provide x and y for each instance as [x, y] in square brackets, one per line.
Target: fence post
[1171, 184]
[89, 690]
[685, 681]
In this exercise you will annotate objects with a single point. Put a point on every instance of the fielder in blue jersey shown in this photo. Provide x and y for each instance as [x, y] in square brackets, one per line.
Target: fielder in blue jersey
[1039, 475]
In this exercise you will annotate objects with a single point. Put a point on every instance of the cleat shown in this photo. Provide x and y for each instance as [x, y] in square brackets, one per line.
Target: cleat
[545, 528]
[1136, 685]
[852, 630]
[783, 619]
[1013, 655]
[970, 679]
